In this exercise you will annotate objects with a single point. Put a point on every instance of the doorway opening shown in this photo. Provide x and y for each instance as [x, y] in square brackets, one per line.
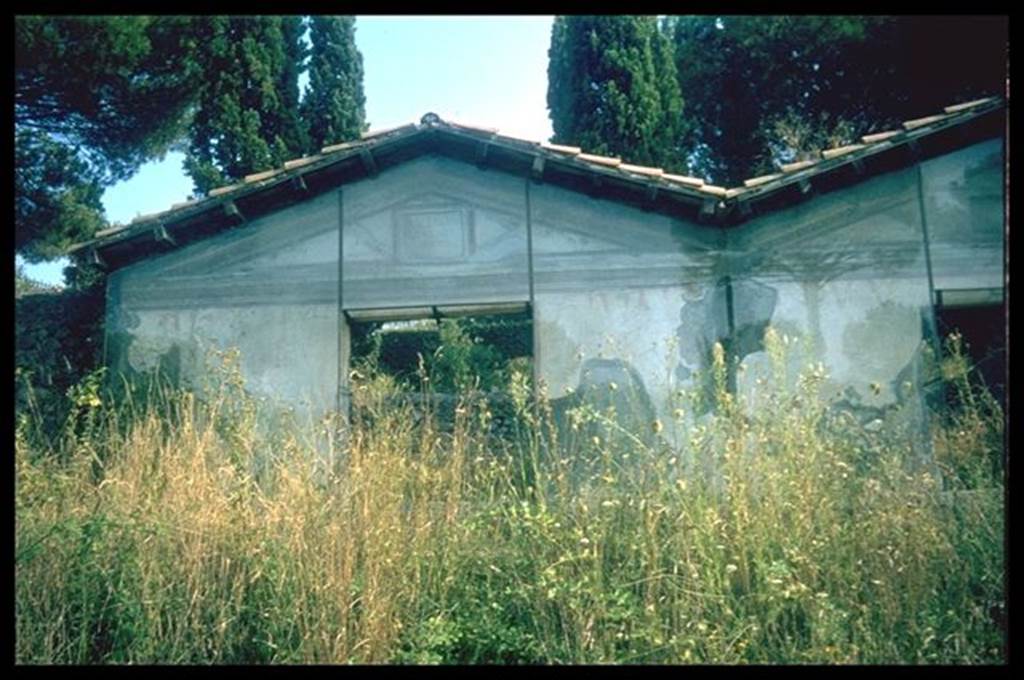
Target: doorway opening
[979, 316]
[437, 359]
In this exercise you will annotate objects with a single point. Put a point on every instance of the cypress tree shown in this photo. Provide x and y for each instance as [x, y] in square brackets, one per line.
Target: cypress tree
[295, 130]
[334, 107]
[243, 123]
[612, 89]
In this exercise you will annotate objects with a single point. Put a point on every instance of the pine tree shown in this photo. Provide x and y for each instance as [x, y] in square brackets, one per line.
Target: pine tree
[612, 89]
[334, 104]
[94, 98]
[245, 121]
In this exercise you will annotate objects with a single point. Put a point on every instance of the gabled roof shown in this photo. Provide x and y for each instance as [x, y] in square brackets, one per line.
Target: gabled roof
[601, 176]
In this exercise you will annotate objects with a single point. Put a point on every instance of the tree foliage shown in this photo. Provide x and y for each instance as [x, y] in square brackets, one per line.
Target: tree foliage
[94, 98]
[334, 105]
[612, 89]
[759, 90]
[763, 90]
[295, 129]
[243, 123]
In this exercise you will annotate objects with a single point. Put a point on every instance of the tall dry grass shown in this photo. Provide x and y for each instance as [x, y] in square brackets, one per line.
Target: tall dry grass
[164, 527]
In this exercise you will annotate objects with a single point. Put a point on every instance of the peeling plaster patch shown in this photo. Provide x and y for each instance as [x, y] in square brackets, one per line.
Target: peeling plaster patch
[559, 354]
[616, 383]
[608, 386]
[880, 345]
[753, 306]
[706, 321]
[126, 319]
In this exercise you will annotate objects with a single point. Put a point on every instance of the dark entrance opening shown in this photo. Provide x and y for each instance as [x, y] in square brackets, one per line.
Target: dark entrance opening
[980, 318]
[442, 356]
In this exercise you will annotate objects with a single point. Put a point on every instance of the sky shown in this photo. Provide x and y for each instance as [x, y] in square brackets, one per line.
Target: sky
[487, 71]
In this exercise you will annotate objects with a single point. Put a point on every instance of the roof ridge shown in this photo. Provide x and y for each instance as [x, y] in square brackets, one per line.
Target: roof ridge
[620, 163]
[654, 176]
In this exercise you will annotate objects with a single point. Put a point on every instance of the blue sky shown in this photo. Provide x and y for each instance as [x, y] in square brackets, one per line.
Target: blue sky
[489, 71]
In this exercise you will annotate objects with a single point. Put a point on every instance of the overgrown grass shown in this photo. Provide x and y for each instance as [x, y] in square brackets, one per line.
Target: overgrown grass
[165, 528]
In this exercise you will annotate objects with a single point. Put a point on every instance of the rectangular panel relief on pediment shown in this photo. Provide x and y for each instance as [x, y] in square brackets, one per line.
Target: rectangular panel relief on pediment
[434, 231]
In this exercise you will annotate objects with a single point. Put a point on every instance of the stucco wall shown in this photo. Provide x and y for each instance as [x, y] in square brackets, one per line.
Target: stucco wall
[963, 202]
[268, 288]
[620, 294]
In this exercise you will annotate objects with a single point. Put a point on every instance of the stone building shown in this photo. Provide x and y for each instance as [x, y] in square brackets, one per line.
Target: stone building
[629, 274]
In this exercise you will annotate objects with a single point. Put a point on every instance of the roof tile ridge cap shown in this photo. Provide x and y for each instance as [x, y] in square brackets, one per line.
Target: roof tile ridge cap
[301, 161]
[110, 231]
[220, 191]
[187, 202]
[597, 159]
[472, 127]
[762, 179]
[648, 170]
[836, 151]
[975, 103]
[263, 174]
[875, 137]
[714, 189]
[796, 166]
[350, 144]
[560, 148]
[915, 123]
[685, 180]
[139, 219]
[374, 134]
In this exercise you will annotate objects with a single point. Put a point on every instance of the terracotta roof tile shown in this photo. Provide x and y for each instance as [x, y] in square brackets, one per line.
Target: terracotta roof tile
[798, 165]
[683, 179]
[880, 136]
[224, 190]
[266, 174]
[600, 160]
[829, 154]
[339, 147]
[956, 108]
[148, 216]
[642, 170]
[763, 179]
[475, 128]
[558, 148]
[299, 162]
[112, 230]
[383, 131]
[712, 189]
[921, 122]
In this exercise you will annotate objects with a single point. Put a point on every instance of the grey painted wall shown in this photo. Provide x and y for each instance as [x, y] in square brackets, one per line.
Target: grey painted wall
[619, 294]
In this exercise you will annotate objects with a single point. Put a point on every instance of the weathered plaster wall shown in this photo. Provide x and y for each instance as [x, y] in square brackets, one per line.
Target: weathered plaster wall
[612, 288]
[620, 294]
[268, 288]
[850, 274]
[434, 231]
[963, 199]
